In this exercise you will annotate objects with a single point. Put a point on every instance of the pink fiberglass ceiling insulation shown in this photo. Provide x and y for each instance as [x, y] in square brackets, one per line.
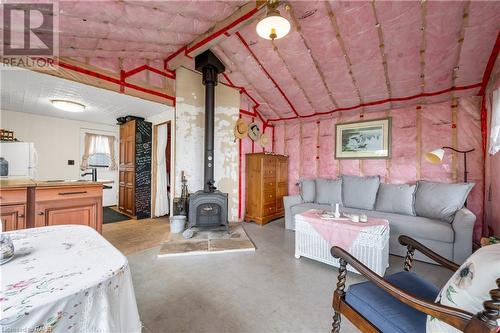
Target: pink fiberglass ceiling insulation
[340, 55]
[135, 29]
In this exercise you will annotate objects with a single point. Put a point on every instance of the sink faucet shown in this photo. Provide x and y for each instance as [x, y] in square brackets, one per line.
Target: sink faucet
[93, 173]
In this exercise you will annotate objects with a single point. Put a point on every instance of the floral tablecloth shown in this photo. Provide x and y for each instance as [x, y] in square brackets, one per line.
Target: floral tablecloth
[66, 279]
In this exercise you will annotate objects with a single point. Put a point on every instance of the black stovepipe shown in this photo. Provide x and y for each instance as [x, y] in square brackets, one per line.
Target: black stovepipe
[210, 81]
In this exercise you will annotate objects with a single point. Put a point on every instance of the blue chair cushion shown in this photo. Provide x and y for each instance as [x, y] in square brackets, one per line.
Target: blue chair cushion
[387, 313]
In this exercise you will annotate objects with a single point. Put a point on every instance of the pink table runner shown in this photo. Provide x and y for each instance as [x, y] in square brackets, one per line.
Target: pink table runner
[340, 233]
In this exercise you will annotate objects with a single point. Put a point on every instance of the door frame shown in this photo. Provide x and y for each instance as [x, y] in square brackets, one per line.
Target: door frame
[153, 167]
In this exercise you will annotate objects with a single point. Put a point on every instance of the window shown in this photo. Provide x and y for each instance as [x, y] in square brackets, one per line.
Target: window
[99, 160]
[495, 123]
[99, 151]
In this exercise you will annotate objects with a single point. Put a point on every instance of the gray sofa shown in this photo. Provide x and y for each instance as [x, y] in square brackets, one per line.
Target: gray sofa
[432, 213]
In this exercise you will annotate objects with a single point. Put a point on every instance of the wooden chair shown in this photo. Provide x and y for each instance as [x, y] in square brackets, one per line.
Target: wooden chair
[414, 303]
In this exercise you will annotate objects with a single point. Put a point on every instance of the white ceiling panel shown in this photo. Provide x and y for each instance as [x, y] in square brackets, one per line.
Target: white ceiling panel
[31, 92]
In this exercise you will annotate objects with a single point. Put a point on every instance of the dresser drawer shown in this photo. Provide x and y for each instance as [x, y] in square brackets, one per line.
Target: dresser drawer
[269, 209]
[67, 192]
[269, 197]
[269, 184]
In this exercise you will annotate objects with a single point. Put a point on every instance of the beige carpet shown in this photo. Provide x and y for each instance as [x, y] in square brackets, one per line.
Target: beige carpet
[207, 242]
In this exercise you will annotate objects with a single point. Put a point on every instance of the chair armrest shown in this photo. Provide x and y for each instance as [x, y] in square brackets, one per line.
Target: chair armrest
[413, 245]
[454, 317]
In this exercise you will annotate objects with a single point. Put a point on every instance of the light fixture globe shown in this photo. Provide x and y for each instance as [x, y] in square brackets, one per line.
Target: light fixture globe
[68, 106]
[273, 26]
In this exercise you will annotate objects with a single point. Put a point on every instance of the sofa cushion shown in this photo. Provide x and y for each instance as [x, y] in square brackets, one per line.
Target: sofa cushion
[413, 226]
[329, 191]
[360, 192]
[386, 312]
[470, 286]
[304, 207]
[308, 190]
[396, 198]
[440, 200]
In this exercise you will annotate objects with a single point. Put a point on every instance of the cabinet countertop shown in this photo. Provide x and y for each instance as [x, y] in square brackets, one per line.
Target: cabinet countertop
[26, 182]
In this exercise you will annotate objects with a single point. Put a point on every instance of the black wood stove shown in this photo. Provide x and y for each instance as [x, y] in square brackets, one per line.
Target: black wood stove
[208, 208]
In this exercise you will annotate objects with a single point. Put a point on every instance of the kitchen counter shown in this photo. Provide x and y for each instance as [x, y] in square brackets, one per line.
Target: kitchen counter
[28, 203]
[26, 182]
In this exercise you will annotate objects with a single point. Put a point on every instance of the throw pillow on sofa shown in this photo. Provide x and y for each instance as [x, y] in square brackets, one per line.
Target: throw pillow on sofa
[329, 191]
[360, 192]
[396, 198]
[440, 201]
[469, 287]
[308, 190]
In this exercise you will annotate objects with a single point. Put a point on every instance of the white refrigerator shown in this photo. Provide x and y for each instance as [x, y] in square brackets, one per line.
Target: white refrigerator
[22, 158]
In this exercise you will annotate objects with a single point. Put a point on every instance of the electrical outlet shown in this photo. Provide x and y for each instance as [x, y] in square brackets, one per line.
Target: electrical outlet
[71, 162]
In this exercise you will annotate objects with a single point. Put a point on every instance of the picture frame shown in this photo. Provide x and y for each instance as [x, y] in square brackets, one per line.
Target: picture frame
[365, 139]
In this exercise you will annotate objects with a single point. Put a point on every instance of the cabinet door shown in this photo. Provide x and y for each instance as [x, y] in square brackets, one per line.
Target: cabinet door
[129, 202]
[82, 212]
[12, 217]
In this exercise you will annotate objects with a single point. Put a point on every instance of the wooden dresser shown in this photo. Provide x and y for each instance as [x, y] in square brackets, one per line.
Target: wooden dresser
[266, 185]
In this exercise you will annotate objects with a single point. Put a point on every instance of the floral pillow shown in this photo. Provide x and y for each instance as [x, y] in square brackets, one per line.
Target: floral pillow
[470, 286]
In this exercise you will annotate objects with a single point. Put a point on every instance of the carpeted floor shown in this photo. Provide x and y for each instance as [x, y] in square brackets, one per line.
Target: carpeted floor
[110, 215]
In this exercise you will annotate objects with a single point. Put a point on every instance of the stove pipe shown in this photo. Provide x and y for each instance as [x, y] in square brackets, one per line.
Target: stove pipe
[210, 66]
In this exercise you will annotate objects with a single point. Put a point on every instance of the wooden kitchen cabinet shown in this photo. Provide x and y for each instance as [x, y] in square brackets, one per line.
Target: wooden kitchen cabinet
[69, 205]
[134, 192]
[13, 208]
[266, 185]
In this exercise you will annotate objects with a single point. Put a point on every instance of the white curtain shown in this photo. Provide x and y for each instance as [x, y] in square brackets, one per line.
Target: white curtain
[495, 123]
[95, 143]
[162, 201]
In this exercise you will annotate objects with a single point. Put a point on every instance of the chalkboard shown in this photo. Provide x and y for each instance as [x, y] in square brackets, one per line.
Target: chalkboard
[143, 147]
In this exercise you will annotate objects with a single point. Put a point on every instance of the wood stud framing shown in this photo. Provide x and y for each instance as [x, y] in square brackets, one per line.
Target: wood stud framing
[382, 52]
[454, 139]
[454, 99]
[333, 21]
[250, 85]
[423, 46]
[419, 142]
[275, 49]
[296, 24]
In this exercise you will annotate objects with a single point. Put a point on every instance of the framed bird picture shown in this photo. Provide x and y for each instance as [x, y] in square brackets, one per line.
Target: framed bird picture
[367, 139]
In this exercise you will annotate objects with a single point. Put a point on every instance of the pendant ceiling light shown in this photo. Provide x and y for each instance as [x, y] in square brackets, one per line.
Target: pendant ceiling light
[273, 26]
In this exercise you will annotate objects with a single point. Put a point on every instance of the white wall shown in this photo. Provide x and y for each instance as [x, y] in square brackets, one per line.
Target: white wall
[189, 147]
[56, 140]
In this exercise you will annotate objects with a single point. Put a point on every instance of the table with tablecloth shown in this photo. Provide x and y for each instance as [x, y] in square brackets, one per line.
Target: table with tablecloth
[316, 232]
[66, 279]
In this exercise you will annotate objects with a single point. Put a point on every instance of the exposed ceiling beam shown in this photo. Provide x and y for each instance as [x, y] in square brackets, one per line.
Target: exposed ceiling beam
[240, 18]
[296, 23]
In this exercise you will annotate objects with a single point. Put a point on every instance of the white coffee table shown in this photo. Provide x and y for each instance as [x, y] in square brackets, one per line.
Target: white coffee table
[371, 246]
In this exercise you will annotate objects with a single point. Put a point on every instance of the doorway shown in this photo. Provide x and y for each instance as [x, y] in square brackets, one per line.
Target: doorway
[161, 189]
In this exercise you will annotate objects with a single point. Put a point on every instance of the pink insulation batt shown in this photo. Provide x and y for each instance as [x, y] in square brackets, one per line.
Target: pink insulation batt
[404, 165]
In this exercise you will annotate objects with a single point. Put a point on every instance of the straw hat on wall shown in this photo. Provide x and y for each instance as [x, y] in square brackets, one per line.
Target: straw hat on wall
[240, 129]
[254, 131]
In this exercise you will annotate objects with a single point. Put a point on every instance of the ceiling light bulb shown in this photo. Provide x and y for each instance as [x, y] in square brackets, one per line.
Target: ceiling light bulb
[273, 26]
[68, 105]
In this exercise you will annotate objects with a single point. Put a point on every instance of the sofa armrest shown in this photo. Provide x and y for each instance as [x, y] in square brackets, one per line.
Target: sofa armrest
[463, 226]
[288, 202]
